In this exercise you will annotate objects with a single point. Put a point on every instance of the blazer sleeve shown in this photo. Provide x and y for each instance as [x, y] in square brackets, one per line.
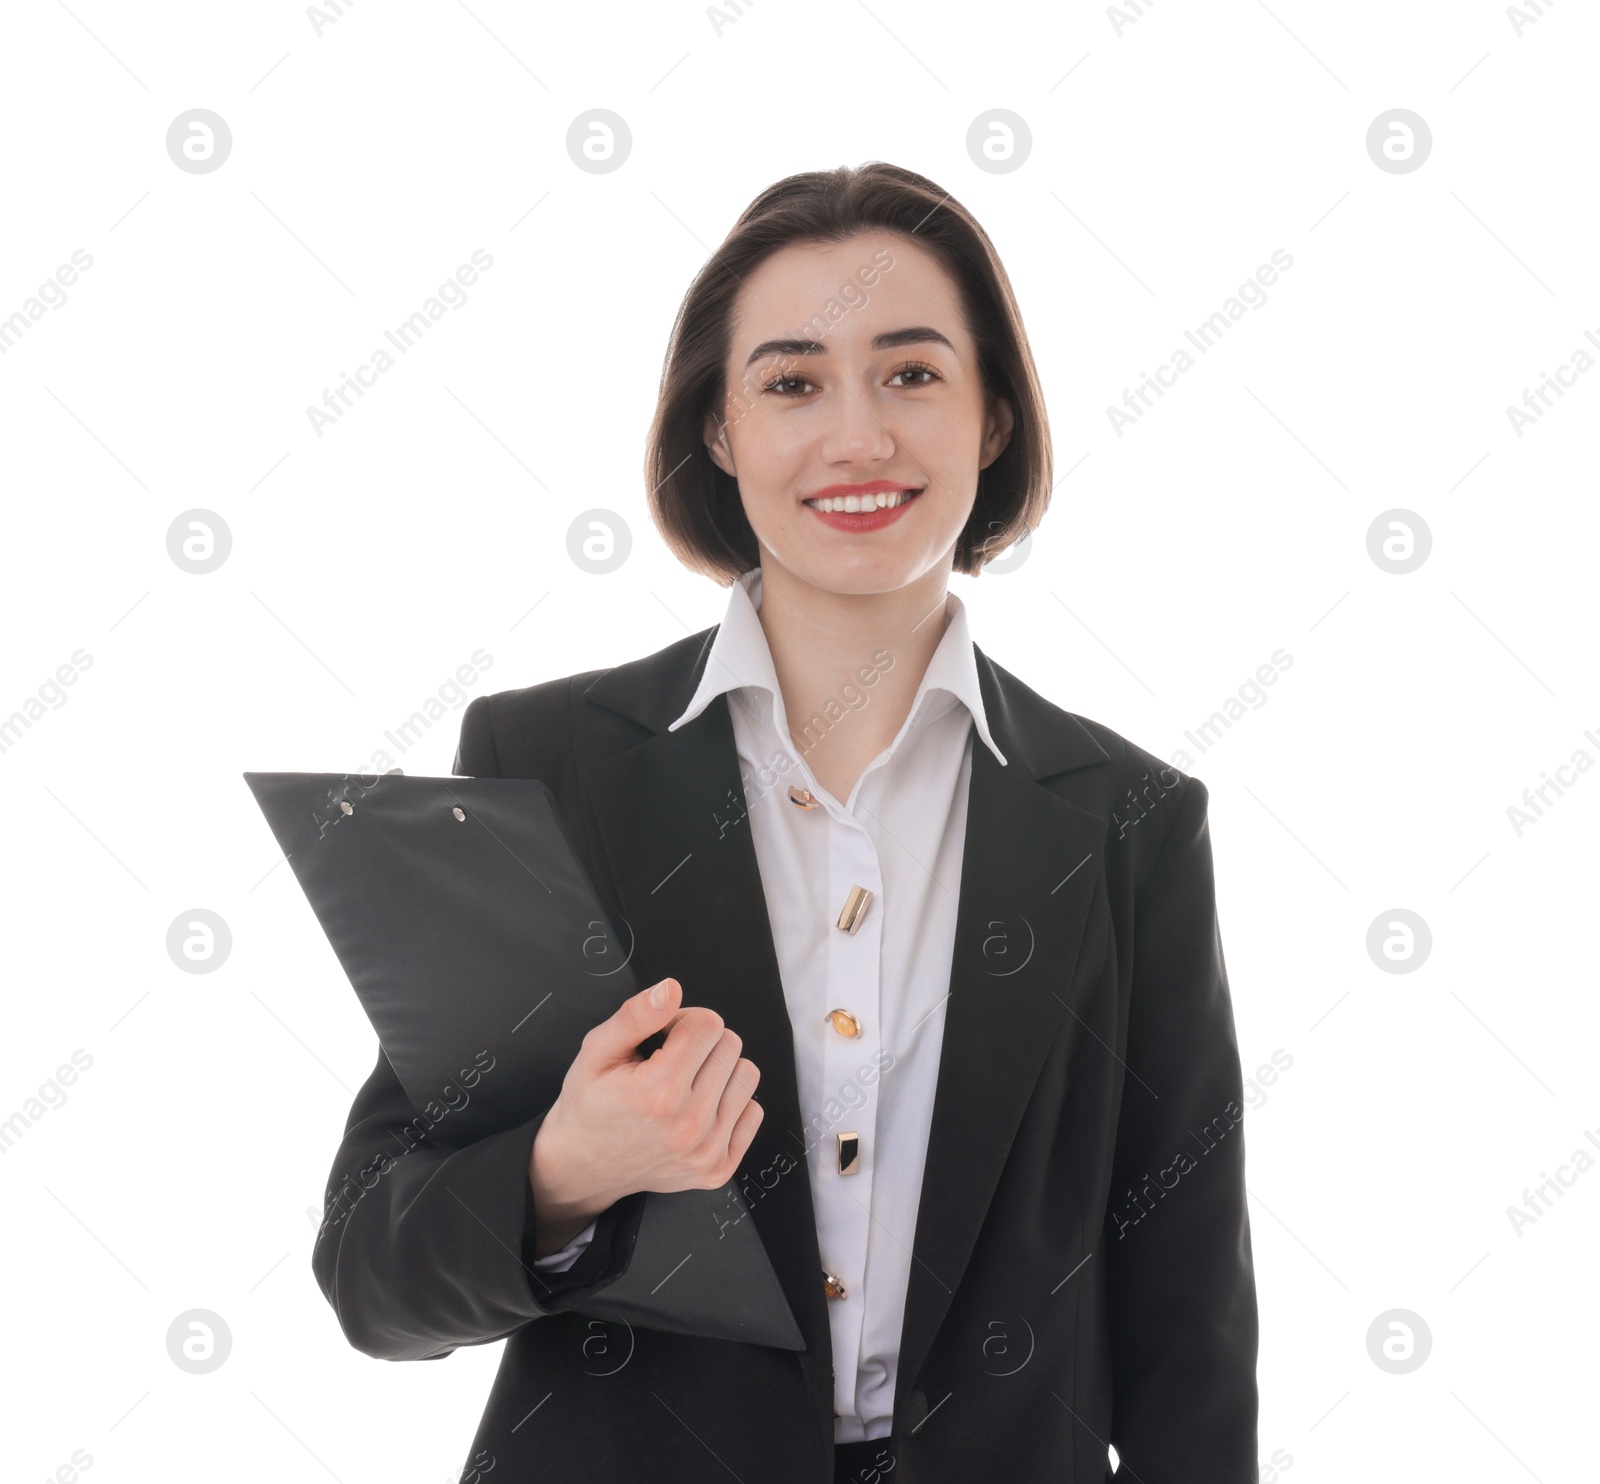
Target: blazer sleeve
[426, 1249]
[1180, 1280]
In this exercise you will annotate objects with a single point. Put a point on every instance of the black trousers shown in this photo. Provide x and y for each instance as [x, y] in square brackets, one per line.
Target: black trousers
[871, 1462]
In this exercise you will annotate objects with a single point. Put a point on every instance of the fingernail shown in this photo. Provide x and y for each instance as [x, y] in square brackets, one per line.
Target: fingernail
[658, 995]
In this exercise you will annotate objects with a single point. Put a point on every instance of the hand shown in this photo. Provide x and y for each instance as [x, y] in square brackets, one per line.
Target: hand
[679, 1119]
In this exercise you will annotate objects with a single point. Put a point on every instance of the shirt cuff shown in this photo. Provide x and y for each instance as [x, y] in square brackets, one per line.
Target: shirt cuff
[559, 1262]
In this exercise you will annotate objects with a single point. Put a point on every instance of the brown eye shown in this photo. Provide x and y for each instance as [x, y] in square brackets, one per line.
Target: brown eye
[916, 368]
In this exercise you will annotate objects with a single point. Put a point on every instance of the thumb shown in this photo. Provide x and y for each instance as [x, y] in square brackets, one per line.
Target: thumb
[638, 1018]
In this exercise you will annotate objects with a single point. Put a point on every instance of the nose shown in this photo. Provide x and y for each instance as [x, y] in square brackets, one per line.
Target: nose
[856, 433]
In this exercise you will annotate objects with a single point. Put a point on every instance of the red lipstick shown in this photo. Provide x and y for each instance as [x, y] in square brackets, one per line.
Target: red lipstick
[869, 514]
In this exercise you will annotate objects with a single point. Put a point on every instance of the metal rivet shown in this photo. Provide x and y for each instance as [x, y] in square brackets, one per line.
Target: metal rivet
[459, 812]
[346, 806]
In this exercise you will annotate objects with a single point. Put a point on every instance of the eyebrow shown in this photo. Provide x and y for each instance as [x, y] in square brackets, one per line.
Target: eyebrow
[890, 340]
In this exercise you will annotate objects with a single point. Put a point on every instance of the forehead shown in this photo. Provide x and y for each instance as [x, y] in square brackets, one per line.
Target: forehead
[882, 279]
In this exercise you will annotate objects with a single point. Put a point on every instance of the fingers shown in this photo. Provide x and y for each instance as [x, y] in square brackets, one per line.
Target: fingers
[717, 1069]
[736, 1095]
[635, 1020]
[695, 1041]
[744, 1133]
[732, 1126]
[696, 1091]
[709, 1111]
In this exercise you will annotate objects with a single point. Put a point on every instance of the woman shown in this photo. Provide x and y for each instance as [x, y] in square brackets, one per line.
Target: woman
[964, 941]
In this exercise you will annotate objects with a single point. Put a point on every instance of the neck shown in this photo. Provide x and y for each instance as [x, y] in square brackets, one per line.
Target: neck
[849, 664]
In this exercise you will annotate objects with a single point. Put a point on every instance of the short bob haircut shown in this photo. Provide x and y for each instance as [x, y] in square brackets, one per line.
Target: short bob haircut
[695, 505]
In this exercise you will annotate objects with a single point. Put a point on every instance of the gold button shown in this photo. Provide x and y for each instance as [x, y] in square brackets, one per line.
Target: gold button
[855, 908]
[831, 1285]
[803, 797]
[844, 1022]
[849, 1153]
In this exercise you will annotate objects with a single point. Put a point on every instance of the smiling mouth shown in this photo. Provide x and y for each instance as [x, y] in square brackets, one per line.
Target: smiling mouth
[882, 500]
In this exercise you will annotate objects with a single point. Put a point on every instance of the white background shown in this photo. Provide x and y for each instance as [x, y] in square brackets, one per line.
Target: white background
[1171, 155]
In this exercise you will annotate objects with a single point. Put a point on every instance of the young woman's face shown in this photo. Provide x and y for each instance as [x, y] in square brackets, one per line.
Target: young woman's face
[851, 366]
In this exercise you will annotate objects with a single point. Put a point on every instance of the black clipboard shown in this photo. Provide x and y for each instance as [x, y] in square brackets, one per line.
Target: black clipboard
[469, 929]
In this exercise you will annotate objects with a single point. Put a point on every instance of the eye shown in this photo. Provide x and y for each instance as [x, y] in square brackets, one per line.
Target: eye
[911, 368]
[779, 381]
[917, 368]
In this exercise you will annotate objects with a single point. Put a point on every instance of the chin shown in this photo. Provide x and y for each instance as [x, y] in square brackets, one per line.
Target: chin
[857, 573]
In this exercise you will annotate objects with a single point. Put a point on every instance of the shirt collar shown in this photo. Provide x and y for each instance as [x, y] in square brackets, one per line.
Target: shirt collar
[740, 663]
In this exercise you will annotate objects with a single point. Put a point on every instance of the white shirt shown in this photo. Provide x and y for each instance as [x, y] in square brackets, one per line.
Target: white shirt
[900, 834]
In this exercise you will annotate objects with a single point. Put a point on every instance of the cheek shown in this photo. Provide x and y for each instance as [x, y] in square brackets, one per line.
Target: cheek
[943, 435]
[948, 450]
[773, 456]
[770, 479]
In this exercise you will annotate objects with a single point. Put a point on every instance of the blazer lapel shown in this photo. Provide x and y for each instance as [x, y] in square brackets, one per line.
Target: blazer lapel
[691, 893]
[1030, 869]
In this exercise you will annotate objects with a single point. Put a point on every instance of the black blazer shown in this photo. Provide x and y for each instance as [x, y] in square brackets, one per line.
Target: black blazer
[1082, 1272]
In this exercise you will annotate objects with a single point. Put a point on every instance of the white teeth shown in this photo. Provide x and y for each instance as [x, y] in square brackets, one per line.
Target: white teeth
[881, 500]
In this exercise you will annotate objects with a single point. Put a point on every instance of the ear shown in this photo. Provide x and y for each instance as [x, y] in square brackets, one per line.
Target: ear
[1001, 423]
[718, 445]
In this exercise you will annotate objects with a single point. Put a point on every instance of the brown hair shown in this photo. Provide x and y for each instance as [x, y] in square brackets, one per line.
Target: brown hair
[696, 506]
